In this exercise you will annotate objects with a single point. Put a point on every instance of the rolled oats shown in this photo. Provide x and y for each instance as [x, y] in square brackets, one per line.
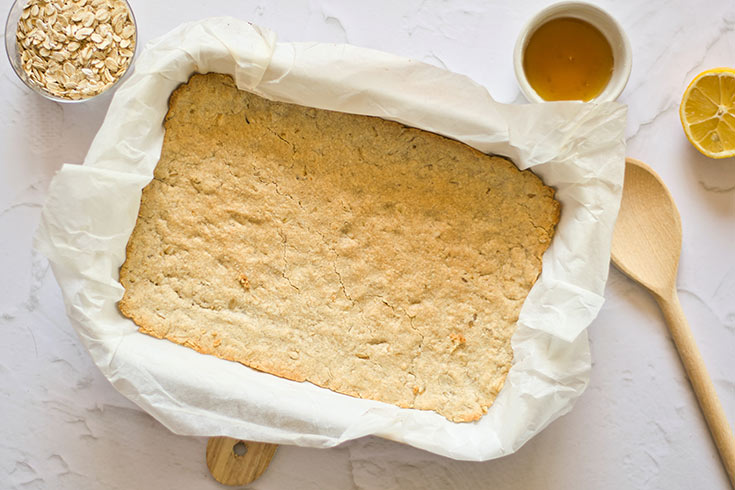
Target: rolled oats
[75, 49]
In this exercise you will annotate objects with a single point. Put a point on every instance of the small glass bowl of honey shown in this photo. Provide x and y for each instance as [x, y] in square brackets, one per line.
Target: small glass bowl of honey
[572, 51]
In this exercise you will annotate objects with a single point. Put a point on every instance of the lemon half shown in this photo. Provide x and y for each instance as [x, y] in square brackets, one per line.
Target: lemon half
[707, 112]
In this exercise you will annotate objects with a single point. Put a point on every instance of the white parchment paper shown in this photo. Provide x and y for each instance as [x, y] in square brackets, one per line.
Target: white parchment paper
[91, 210]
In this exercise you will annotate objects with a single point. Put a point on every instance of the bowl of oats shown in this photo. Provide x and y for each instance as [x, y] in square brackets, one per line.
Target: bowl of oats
[71, 50]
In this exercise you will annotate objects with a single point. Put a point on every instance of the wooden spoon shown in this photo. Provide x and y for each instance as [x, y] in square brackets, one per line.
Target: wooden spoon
[646, 246]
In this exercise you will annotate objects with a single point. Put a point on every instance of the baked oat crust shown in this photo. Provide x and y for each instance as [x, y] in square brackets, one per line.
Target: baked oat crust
[364, 256]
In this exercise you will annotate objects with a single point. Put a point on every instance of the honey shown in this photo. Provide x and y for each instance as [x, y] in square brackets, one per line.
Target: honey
[568, 59]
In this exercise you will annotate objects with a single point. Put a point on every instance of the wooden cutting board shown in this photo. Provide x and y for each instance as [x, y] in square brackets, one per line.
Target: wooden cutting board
[235, 462]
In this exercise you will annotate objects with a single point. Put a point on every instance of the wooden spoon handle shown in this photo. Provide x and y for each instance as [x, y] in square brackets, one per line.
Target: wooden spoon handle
[701, 382]
[235, 462]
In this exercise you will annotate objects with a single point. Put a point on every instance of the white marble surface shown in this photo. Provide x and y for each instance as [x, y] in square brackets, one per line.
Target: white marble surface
[63, 426]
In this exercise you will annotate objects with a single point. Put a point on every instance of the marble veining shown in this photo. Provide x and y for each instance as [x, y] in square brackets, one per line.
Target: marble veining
[63, 426]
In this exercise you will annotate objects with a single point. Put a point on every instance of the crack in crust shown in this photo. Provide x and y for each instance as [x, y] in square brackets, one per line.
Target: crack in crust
[378, 260]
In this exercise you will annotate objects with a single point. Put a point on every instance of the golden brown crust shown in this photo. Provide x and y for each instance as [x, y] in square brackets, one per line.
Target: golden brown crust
[370, 258]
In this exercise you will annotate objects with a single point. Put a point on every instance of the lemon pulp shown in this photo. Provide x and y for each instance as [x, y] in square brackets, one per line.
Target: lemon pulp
[707, 112]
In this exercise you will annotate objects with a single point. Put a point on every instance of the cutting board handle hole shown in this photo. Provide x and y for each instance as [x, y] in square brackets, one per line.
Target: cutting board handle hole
[240, 448]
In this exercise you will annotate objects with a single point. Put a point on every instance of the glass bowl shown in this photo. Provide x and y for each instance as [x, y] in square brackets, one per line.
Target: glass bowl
[11, 48]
